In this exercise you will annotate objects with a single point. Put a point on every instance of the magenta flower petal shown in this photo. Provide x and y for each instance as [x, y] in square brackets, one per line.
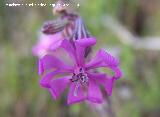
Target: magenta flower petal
[72, 98]
[40, 68]
[58, 85]
[86, 42]
[94, 93]
[69, 48]
[118, 73]
[104, 59]
[96, 75]
[80, 55]
[109, 59]
[104, 80]
[47, 78]
[81, 45]
[108, 85]
[49, 62]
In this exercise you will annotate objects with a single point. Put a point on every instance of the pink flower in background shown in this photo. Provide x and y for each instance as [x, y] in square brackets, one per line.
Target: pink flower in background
[47, 43]
[81, 76]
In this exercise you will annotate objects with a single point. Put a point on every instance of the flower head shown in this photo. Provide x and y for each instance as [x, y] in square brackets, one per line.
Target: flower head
[81, 76]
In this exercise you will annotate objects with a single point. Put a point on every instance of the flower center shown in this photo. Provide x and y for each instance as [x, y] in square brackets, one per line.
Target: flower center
[80, 78]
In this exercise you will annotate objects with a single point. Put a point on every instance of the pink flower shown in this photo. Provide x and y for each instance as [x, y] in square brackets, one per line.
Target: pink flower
[47, 43]
[81, 76]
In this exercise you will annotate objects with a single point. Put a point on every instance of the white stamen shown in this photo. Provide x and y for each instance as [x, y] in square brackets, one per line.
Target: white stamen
[76, 89]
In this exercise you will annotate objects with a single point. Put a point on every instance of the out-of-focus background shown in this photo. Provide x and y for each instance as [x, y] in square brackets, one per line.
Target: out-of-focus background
[129, 29]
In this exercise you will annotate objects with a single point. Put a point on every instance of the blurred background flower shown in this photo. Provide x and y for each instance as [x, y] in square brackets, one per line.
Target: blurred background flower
[128, 29]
